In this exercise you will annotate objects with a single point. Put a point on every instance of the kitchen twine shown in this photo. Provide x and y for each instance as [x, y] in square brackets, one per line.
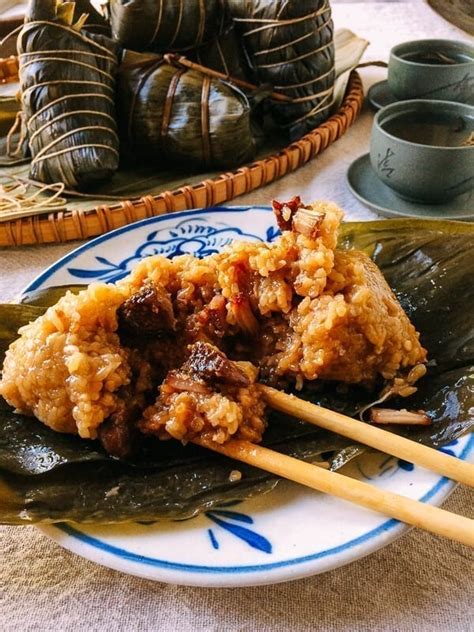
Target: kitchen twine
[46, 152]
[31, 204]
[143, 79]
[61, 226]
[221, 56]
[168, 105]
[201, 24]
[16, 201]
[326, 96]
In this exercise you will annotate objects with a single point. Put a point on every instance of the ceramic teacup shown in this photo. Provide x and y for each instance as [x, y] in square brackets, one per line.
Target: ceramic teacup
[424, 150]
[432, 69]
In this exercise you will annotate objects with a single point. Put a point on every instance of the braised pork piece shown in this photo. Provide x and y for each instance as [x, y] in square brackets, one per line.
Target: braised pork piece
[176, 349]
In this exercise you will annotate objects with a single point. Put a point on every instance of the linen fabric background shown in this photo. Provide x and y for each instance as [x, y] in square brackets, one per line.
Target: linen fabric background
[420, 582]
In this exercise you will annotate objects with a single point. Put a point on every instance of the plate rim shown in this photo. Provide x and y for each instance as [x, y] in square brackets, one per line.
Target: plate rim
[381, 536]
[169, 572]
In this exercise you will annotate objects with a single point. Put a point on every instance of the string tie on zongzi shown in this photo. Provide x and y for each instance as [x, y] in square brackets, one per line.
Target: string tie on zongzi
[68, 97]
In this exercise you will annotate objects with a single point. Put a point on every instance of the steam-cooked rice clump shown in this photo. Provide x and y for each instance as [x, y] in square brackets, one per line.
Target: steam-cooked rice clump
[68, 365]
[167, 351]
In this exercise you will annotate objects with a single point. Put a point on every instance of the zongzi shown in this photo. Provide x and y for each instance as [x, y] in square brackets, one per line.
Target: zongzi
[289, 45]
[224, 54]
[41, 470]
[174, 115]
[165, 26]
[174, 349]
[67, 92]
[96, 23]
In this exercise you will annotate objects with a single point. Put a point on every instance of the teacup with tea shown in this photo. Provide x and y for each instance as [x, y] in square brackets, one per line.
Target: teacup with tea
[424, 149]
[432, 69]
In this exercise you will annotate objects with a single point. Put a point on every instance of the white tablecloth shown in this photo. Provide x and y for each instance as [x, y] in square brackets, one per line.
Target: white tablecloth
[420, 582]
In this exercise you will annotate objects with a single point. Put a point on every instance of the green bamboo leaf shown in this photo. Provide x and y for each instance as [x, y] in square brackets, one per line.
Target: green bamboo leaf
[45, 297]
[47, 476]
[12, 317]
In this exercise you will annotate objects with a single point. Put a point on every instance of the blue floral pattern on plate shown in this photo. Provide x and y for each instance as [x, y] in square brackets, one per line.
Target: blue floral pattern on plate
[229, 520]
[198, 237]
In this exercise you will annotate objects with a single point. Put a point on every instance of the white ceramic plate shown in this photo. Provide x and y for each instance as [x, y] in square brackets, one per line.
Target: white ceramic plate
[286, 534]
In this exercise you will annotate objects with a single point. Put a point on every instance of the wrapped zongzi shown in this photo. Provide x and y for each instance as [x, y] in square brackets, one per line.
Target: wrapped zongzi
[68, 97]
[176, 115]
[289, 45]
[165, 25]
[224, 54]
[96, 23]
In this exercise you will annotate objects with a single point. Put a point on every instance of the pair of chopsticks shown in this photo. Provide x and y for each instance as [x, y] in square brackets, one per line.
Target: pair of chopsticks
[413, 512]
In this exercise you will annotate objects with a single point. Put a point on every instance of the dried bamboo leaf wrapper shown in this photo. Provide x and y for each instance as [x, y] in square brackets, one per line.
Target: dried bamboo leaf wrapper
[96, 23]
[68, 100]
[173, 115]
[165, 25]
[289, 45]
[74, 10]
[224, 54]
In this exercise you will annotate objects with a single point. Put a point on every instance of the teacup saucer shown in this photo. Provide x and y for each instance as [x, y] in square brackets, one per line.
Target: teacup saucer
[365, 185]
[379, 95]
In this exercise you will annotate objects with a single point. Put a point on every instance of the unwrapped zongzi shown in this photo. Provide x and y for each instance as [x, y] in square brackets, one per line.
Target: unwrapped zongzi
[175, 115]
[289, 45]
[68, 92]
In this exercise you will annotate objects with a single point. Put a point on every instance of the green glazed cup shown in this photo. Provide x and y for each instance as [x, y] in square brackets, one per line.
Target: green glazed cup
[432, 69]
[424, 150]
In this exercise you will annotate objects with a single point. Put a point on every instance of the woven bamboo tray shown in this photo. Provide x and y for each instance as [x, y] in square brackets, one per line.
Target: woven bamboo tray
[81, 224]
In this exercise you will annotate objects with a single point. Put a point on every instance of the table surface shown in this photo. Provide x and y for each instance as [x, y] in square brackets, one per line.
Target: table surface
[420, 582]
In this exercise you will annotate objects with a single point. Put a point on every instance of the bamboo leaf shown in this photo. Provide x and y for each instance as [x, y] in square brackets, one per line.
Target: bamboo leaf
[47, 476]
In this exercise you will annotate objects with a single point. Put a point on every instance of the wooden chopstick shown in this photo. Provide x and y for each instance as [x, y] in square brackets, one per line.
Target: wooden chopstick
[412, 512]
[377, 438]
